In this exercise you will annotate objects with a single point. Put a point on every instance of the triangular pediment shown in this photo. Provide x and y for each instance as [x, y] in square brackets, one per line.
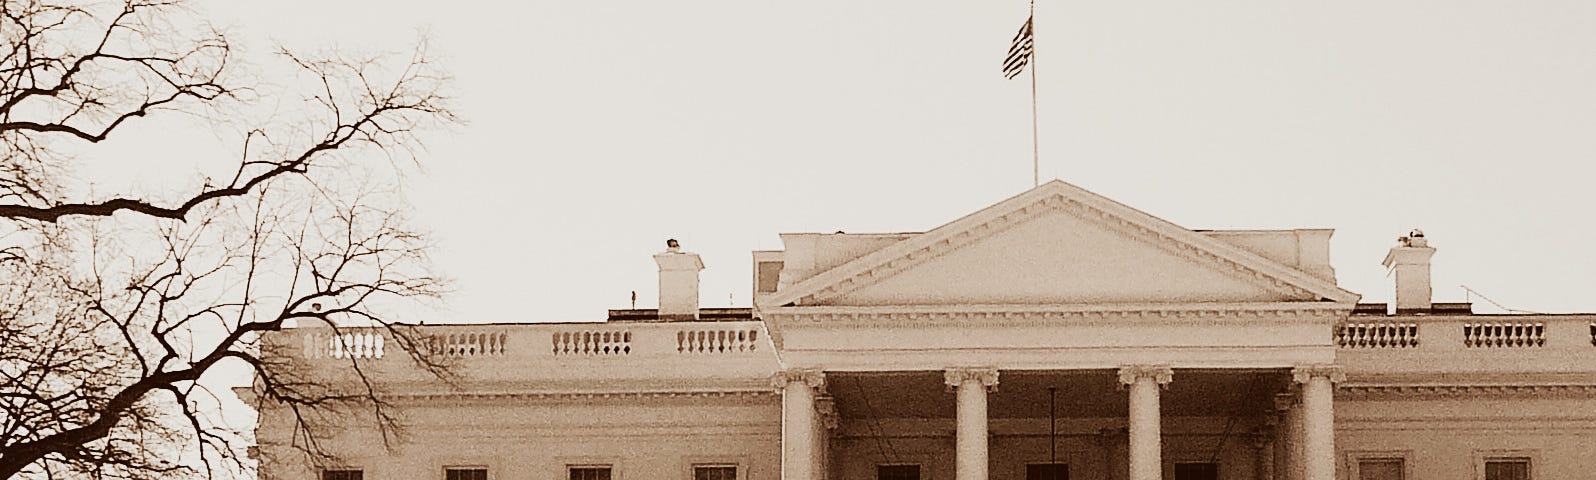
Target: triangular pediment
[1057, 244]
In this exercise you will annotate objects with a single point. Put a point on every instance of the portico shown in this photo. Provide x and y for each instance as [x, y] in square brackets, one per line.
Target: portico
[1131, 317]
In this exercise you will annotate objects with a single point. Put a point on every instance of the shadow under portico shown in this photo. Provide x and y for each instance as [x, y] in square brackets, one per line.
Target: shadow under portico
[1208, 416]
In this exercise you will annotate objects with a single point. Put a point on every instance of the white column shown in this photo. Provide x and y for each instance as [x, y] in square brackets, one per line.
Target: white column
[1318, 419]
[1146, 436]
[970, 449]
[799, 423]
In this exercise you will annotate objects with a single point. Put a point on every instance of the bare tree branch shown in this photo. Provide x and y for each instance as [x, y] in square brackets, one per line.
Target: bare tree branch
[111, 325]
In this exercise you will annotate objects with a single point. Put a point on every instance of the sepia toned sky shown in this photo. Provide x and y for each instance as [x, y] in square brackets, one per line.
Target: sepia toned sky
[599, 129]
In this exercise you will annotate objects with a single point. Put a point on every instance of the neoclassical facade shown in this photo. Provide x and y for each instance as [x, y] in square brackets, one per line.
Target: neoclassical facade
[1056, 334]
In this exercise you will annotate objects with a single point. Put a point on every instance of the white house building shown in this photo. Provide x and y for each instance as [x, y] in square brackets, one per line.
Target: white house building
[1056, 334]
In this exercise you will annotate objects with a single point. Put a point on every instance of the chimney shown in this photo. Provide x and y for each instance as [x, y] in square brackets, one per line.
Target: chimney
[678, 282]
[1409, 262]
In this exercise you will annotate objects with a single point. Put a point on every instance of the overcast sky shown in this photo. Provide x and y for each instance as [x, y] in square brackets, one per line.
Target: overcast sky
[599, 129]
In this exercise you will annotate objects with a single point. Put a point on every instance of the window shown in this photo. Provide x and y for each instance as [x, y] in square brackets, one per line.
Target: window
[1196, 471]
[1380, 469]
[1507, 469]
[590, 472]
[897, 472]
[714, 472]
[342, 474]
[465, 473]
[1047, 471]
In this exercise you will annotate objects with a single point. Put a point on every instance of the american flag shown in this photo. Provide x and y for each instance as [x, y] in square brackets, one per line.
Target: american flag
[1019, 52]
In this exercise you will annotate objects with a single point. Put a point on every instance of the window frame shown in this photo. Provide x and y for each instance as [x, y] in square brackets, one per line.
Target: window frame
[737, 469]
[688, 464]
[1481, 457]
[1354, 459]
[615, 473]
[322, 475]
[566, 462]
[487, 472]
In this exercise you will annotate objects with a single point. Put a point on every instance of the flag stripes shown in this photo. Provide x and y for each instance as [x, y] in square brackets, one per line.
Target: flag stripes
[1020, 51]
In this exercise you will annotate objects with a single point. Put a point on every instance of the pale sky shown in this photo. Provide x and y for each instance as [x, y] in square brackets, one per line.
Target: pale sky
[599, 129]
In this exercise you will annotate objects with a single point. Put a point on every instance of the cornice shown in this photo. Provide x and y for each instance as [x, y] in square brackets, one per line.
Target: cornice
[582, 395]
[1058, 196]
[976, 315]
[1374, 391]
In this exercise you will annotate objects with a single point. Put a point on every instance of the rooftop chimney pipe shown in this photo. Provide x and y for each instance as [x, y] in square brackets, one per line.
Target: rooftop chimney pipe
[678, 282]
[1409, 263]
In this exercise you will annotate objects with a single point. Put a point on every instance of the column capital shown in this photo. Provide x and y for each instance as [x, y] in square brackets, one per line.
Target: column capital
[1159, 374]
[957, 376]
[1305, 373]
[812, 377]
[826, 406]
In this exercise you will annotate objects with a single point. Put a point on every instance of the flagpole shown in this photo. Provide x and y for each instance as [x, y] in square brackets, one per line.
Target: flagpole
[1036, 155]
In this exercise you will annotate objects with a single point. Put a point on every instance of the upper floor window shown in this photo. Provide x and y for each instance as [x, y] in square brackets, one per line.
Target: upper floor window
[1380, 469]
[342, 474]
[590, 472]
[714, 472]
[465, 473]
[897, 472]
[1507, 469]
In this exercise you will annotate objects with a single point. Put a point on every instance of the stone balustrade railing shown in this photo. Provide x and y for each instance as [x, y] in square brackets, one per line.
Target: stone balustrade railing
[1468, 343]
[1463, 333]
[1378, 334]
[549, 340]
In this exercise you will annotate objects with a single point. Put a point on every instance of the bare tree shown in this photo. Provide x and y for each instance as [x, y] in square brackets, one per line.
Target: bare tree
[118, 310]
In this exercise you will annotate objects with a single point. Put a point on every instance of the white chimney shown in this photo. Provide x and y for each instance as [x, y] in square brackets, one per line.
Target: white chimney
[1409, 263]
[678, 282]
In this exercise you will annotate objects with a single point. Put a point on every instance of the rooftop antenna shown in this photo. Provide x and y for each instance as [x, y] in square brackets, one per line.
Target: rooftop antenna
[1469, 294]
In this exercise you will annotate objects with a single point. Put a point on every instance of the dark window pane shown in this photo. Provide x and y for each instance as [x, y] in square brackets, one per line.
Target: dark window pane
[1514, 469]
[1380, 469]
[1047, 471]
[465, 474]
[717, 472]
[341, 475]
[898, 472]
[1196, 471]
[590, 473]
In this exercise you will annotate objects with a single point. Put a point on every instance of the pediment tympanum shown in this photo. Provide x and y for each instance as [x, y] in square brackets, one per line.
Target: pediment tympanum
[1057, 244]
